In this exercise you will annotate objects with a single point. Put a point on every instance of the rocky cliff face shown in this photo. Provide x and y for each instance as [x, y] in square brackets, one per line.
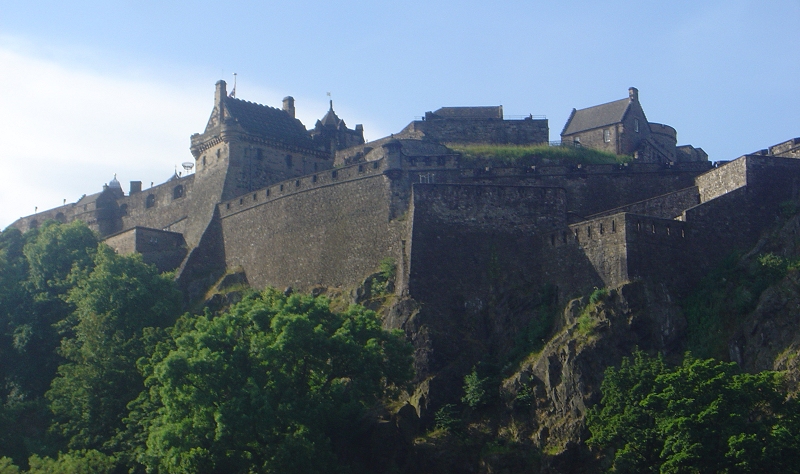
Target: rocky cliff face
[541, 367]
[564, 378]
[535, 422]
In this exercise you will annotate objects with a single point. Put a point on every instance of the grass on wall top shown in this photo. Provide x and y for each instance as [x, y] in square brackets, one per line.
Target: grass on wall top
[544, 153]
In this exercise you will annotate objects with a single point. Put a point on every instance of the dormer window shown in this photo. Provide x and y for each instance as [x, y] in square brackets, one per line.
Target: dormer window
[607, 135]
[636, 125]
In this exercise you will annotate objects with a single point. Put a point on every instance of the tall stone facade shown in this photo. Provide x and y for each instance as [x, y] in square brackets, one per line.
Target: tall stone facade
[321, 208]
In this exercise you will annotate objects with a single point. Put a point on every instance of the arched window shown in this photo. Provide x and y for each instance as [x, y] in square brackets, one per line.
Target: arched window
[177, 192]
[150, 201]
[60, 217]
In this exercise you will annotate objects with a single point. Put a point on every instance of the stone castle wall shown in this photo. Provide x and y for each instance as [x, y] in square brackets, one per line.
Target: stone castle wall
[166, 250]
[165, 206]
[330, 229]
[592, 189]
[722, 179]
[603, 242]
[668, 206]
[497, 131]
[662, 250]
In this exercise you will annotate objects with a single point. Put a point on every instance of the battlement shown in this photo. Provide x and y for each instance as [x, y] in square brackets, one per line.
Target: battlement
[300, 185]
[478, 125]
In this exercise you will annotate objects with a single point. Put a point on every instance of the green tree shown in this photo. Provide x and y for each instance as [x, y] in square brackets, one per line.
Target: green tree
[74, 462]
[113, 305]
[36, 272]
[702, 416]
[274, 385]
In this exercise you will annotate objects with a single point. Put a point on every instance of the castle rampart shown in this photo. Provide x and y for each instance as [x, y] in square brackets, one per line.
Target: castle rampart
[722, 179]
[667, 206]
[165, 206]
[481, 130]
[166, 250]
[332, 235]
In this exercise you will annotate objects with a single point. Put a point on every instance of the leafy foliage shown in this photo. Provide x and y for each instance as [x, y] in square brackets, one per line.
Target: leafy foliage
[273, 385]
[477, 390]
[74, 462]
[37, 270]
[114, 303]
[447, 418]
[702, 416]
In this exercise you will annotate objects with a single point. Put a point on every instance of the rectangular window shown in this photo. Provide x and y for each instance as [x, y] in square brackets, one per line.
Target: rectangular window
[607, 135]
[636, 125]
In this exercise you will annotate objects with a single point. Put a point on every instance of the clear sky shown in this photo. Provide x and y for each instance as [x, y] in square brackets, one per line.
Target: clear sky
[90, 89]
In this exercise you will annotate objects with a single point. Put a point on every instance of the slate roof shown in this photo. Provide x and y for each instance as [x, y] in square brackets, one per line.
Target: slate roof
[597, 116]
[268, 122]
[491, 112]
[331, 119]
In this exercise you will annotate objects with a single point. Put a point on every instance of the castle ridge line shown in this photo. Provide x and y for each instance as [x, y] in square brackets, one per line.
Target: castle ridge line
[346, 205]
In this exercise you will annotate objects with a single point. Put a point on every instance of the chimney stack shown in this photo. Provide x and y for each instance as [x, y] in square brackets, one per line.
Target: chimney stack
[136, 187]
[288, 105]
[219, 95]
[633, 93]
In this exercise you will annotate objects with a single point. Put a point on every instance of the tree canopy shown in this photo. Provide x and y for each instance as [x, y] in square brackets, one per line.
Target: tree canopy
[274, 385]
[701, 416]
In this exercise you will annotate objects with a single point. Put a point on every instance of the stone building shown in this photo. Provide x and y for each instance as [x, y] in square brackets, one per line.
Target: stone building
[621, 127]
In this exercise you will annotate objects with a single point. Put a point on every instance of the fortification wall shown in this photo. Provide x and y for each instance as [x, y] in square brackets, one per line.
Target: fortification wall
[662, 250]
[165, 206]
[667, 206]
[255, 165]
[734, 219]
[475, 250]
[63, 214]
[602, 241]
[518, 132]
[509, 208]
[727, 226]
[330, 229]
[723, 179]
[788, 149]
[163, 249]
[591, 189]
[773, 179]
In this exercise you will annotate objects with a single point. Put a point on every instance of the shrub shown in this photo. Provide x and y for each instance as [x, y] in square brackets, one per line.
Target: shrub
[446, 418]
[477, 390]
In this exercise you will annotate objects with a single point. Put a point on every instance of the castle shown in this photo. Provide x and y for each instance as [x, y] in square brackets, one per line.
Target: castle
[292, 207]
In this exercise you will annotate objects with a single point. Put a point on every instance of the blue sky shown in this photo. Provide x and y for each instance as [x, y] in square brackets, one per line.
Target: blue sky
[90, 89]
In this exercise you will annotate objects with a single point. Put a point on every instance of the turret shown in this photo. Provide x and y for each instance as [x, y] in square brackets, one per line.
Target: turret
[393, 168]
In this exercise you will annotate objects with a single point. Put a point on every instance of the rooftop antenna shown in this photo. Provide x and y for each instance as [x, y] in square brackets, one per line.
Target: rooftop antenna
[331, 100]
[233, 92]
